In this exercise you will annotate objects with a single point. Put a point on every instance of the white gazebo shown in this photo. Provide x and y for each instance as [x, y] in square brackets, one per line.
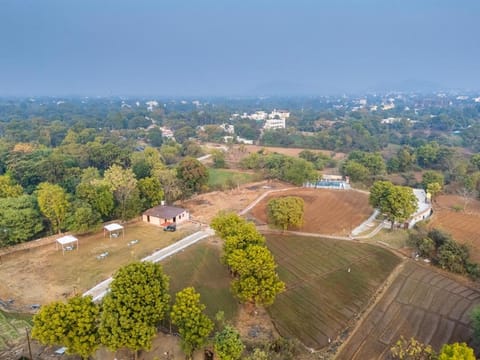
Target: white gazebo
[113, 228]
[65, 242]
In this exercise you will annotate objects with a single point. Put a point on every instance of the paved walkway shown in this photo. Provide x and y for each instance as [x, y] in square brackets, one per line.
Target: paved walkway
[99, 291]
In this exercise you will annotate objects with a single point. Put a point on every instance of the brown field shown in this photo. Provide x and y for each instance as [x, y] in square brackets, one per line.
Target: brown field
[41, 275]
[331, 212]
[464, 226]
[422, 303]
[204, 207]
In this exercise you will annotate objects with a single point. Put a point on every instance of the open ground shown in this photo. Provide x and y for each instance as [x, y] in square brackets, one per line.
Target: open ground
[41, 275]
[329, 212]
[459, 218]
[421, 302]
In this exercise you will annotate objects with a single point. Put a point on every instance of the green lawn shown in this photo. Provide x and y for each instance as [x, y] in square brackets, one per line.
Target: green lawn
[329, 282]
[199, 266]
[222, 179]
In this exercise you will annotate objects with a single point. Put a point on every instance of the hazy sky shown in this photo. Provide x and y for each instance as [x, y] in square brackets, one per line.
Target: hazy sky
[236, 47]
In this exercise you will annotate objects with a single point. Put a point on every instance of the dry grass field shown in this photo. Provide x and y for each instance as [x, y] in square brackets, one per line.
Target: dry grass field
[329, 282]
[463, 224]
[330, 212]
[421, 302]
[43, 274]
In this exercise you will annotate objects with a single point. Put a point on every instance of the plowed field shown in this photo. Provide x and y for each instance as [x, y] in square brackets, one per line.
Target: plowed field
[329, 282]
[464, 226]
[422, 303]
[332, 212]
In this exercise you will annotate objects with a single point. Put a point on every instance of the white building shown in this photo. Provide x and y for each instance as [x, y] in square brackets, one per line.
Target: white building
[274, 124]
[424, 208]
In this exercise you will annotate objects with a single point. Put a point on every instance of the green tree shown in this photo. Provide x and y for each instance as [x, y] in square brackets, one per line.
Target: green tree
[53, 204]
[192, 174]
[98, 195]
[412, 350]
[286, 211]
[475, 316]
[456, 351]
[453, 257]
[236, 232]
[20, 219]
[219, 159]
[124, 186]
[193, 325]
[8, 187]
[356, 171]
[155, 137]
[397, 202]
[434, 189]
[227, 344]
[151, 192]
[84, 219]
[430, 177]
[256, 279]
[170, 184]
[72, 324]
[138, 299]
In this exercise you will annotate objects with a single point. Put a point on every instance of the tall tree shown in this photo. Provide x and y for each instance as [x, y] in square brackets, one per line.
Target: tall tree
[151, 192]
[227, 344]
[286, 211]
[236, 232]
[193, 325]
[256, 279]
[53, 203]
[170, 184]
[20, 220]
[72, 324]
[397, 202]
[192, 174]
[8, 187]
[138, 299]
[124, 186]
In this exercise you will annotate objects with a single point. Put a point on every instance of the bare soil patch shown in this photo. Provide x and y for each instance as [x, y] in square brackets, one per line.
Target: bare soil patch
[205, 207]
[332, 212]
[422, 303]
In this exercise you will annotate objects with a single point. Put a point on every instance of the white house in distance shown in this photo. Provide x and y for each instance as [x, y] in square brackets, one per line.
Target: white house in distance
[164, 215]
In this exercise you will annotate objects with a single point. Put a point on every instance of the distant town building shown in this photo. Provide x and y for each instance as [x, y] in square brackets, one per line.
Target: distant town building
[271, 124]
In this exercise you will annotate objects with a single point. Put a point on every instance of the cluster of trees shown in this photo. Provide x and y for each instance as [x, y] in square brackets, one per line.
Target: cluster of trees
[413, 349]
[286, 211]
[137, 302]
[363, 166]
[444, 251]
[277, 166]
[398, 203]
[89, 196]
[318, 159]
[252, 265]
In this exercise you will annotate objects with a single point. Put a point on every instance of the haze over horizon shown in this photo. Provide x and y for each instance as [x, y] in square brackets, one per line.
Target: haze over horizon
[220, 47]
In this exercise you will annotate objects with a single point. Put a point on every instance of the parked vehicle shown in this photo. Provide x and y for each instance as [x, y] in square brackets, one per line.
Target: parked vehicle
[171, 227]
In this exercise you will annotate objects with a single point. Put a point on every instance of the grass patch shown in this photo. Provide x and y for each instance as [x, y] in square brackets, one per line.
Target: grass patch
[222, 179]
[397, 239]
[329, 282]
[199, 266]
[12, 328]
